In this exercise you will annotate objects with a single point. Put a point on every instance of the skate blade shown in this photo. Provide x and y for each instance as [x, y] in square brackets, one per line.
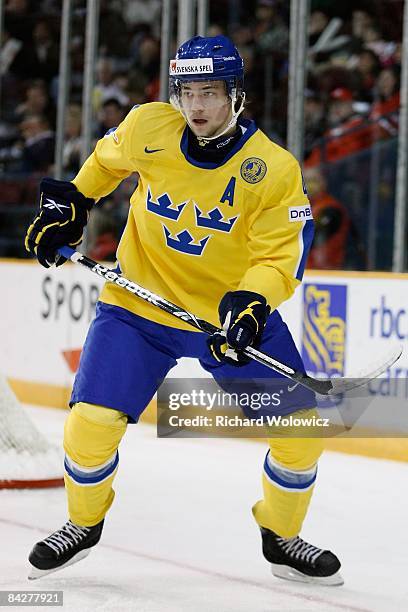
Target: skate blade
[288, 573]
[36, 573]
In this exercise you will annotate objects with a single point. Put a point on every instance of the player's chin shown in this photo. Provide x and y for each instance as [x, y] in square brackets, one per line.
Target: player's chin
[200, 127]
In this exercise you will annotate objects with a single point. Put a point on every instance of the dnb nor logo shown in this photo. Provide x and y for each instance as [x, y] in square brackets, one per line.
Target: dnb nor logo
[300, 213]
[324, 328]
[253, 170]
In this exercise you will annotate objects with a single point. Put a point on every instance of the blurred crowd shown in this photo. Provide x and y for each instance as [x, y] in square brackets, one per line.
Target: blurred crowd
[351, 97]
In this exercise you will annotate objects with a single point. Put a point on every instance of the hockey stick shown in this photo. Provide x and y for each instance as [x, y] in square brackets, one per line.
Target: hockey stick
[332, 386]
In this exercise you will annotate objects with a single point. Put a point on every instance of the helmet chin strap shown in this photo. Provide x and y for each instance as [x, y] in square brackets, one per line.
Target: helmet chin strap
[203, 140]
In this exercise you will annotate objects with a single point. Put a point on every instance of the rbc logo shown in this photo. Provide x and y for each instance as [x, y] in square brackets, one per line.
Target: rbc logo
[388, 322]
[300, 213]
[324, 328]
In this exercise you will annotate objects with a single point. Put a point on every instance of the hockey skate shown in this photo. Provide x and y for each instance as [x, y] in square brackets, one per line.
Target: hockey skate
[62, 548]
[295, 559]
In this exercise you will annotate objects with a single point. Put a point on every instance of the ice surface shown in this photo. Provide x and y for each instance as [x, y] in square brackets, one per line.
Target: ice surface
[180, 535]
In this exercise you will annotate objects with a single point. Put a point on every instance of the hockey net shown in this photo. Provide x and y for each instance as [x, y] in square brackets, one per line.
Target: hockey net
[27, 459]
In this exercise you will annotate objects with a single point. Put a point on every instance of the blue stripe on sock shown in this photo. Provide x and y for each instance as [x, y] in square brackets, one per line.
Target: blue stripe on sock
[287, 478]
[82, 477]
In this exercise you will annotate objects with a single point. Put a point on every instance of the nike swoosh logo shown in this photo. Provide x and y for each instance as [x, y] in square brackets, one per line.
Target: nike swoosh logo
[290, 389]
[152, 150]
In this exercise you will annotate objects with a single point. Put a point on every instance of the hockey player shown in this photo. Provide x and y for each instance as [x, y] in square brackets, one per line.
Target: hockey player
[220, 221]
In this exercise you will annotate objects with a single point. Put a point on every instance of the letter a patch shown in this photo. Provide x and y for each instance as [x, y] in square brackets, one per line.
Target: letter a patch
[228, 195]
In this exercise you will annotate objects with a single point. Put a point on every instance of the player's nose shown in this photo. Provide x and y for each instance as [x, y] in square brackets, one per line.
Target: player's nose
[196, 104]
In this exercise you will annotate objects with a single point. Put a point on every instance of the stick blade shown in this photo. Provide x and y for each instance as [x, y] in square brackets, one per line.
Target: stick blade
[341, 385]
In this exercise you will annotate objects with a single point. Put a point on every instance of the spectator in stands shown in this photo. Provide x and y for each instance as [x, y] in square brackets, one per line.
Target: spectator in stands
[103, 231]
[372, 37]
[360, 21]
[37, 102]
[139, 32]
[45, 51]
[111, 114]
[332, 225]
[367, 69]
[121, 80]
[113, 32]
[385, 110]
[341, 111]
[242, 35]
[146, 68]
[106, 88]
[136, 92]
[51, 7]
[271, 32]
[348, 132]
[9, 55]
[10, 149]
[15, 65]
[39, 144]
[20, 19]
[318, 21]
[14, 57]
[216, 29]
[71, 154]
[144, 11]
[328, 42]
[314, 121]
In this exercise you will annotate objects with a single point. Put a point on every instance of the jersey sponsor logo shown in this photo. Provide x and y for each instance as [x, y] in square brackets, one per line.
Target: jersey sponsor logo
[184, 242]
[214, 220]
[191, 66]
[164, 206]
[53, 205]
[300, 213]
[253, 170]
[152, 150]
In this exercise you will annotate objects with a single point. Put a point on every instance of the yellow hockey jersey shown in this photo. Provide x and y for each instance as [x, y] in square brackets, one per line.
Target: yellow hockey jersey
[196, 230]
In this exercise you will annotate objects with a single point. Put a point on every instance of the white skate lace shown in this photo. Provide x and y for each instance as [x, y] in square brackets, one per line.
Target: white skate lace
[299, 549]
[66, 537]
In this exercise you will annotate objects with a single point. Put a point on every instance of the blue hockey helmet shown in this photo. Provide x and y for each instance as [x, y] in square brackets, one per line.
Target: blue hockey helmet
[209, 59]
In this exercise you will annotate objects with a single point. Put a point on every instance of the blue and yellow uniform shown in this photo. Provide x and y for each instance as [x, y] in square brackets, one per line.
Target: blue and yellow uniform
[194, 225]
[195, 231]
